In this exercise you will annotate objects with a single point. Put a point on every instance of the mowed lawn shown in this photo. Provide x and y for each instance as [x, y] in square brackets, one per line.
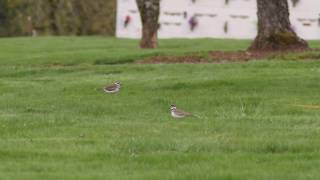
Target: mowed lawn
[256, 120]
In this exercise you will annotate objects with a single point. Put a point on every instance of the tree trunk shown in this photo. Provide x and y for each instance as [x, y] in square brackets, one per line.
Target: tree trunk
[3, 11]
[3, 18]
[149, 12]
[52, 15]
[274, 29]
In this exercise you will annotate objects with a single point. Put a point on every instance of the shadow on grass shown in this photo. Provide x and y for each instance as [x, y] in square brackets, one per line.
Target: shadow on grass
[202, 85]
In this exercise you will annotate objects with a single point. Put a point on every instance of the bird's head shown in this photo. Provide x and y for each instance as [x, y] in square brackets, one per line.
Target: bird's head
[173, 107]
[117, 83]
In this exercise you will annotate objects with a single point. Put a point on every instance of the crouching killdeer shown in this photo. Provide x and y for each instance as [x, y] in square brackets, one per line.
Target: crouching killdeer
[113, 88]
[176, 113]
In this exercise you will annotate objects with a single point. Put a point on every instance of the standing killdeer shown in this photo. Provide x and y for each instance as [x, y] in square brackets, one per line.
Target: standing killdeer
[113, 88]
[176, 113]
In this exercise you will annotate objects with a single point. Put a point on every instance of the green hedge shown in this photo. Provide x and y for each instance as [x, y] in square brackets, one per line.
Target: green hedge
[57, 17]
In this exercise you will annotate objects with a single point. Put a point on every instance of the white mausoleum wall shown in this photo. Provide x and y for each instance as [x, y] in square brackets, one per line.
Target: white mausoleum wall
[214, 18]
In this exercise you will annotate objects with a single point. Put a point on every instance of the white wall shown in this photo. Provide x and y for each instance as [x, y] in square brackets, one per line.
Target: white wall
[237, 19]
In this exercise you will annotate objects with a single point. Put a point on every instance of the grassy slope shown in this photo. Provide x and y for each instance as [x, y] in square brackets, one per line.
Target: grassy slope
[57, 124]
[98, 50]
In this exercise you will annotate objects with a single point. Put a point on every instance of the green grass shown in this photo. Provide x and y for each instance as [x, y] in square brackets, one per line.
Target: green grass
[98, 50]
[57, 124]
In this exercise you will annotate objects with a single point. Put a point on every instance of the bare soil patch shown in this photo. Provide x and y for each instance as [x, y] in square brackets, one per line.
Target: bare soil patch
[192, 59]
[234, 56]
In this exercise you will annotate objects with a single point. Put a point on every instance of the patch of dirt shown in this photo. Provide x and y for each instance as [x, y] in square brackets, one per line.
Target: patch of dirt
[233, 56]
[236, 55]
[191, 59]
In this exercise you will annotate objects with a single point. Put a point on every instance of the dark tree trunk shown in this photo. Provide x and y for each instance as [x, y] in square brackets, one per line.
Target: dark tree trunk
[3, 17]
[149, 12]
[52, 15]
[274, 29]
[3, 11]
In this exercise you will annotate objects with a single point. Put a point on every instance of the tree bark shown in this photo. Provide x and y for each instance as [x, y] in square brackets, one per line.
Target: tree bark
[274, 29]
[3, 18]
[149, 13]
[52, 15]
[3, 11]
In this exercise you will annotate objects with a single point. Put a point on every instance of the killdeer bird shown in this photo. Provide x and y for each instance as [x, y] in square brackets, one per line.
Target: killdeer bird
[176, 113]
[113, 88]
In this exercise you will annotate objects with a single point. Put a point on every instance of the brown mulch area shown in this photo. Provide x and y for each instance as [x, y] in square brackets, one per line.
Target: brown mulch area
[173, 59]
[230, 56]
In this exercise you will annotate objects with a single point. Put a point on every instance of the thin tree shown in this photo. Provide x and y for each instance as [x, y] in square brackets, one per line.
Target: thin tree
[149, 13]
[3, 17]
[53, 4]
[275, 32]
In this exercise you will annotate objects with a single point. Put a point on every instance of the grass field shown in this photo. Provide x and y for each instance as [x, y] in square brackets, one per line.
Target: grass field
[258, 120]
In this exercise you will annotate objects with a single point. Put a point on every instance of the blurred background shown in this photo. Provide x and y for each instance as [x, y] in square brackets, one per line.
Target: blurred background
[227, 19]
[57, 17]
[178, 18]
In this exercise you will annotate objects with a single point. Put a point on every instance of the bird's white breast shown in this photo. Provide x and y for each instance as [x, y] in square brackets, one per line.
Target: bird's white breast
[173, 114]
